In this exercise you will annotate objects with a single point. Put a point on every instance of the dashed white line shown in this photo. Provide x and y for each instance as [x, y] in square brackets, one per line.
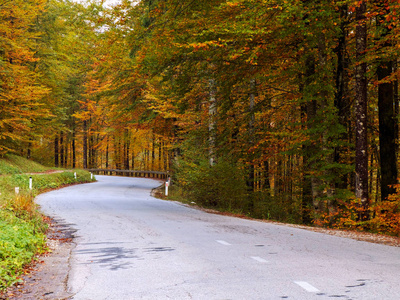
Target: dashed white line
[308, 287]
[259, 259]
[223, 243]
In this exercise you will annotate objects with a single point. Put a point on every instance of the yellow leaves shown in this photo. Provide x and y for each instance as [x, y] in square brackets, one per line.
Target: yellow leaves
[154, 100]
[206, 45]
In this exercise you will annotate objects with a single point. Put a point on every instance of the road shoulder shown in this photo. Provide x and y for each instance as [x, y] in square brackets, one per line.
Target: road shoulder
[47, 278]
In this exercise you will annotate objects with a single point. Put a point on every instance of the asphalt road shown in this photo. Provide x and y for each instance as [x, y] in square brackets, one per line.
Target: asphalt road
[130, 245]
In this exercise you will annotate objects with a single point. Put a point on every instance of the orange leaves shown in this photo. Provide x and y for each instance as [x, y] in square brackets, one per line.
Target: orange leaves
[383, 216]
[21, 97]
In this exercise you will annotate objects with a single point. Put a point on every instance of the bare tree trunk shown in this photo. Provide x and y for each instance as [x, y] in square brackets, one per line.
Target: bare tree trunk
[56, 152]
[361, 188]
[387, 136]
[133, 160]
[118, 154]
[160, 155]
[212, 112]
[66, 151]
[127, 149]
[252, 95]
[73, 148]
[107, 151]
[29, 150]
[266, 183]
[153, 153]
[85, 145]
[387, 117]
[62, 149]
[396, 108]
[342, 102]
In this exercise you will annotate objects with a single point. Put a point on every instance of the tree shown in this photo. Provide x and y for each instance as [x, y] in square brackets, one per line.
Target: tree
[22, 96]
[386, 105]
[361, 164]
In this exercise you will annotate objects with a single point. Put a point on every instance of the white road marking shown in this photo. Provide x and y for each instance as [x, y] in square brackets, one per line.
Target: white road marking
[259, 259]
[223, 243]
[308, 287]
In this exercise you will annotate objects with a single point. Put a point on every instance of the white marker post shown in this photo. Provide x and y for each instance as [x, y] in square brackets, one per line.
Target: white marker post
[75, 175]
[166, 188]
[30, 183]
[91, 176]
[16, 190]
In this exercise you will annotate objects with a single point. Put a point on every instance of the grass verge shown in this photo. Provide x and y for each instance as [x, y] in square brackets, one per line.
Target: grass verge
[22, 227]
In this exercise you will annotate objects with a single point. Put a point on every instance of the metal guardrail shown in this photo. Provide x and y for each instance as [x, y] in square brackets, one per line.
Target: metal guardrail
[133, 173]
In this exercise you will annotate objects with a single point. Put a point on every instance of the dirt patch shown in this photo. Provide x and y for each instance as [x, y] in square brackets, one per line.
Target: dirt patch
[47, 277]
[48, 172]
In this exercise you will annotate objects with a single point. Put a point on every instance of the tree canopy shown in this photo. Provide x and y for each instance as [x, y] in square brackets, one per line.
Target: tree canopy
[292, 106]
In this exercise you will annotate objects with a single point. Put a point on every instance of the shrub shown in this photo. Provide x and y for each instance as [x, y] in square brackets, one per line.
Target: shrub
[220, 186]
[383, 216]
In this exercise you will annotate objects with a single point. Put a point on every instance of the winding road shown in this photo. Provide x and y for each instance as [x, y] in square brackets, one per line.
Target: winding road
[130, 245]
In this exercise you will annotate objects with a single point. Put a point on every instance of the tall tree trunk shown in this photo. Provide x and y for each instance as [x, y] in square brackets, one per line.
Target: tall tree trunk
[66, 152]
[127, 149]
[361, 187]
[85, 145]
[212, 112]
[252, 95]
[133, 160]
[107, 151]
[396, 108]
[266, 183]
[387, 136]
[153, 153]
[56, 151]
[89, 150]
[29, 150]
[387, 118]
[118, 153]
[62, 149]
[160, 143]
[73, 148]
[342, 102]
[306, 199]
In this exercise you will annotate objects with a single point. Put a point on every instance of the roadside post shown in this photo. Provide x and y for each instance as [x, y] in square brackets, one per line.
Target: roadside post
[16, 190]
[30, 183]
[166, 187]
[75, 175]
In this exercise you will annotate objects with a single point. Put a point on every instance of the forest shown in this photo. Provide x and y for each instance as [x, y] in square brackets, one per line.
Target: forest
[277, 109]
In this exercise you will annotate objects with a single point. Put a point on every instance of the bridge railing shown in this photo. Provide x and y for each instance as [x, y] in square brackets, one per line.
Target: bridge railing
[132, 173]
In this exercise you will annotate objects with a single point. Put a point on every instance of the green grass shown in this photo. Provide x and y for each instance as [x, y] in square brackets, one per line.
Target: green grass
[13, 164]
[20, 240]
[22, 229]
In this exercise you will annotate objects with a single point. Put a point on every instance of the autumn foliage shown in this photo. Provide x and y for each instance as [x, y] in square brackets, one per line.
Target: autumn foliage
[295, 101]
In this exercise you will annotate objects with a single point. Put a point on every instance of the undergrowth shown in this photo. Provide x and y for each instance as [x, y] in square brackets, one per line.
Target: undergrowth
[22, 227]
[21, 239]
[223, 188]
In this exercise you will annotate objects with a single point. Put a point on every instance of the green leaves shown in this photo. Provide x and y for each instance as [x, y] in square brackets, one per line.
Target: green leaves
[18, 244]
